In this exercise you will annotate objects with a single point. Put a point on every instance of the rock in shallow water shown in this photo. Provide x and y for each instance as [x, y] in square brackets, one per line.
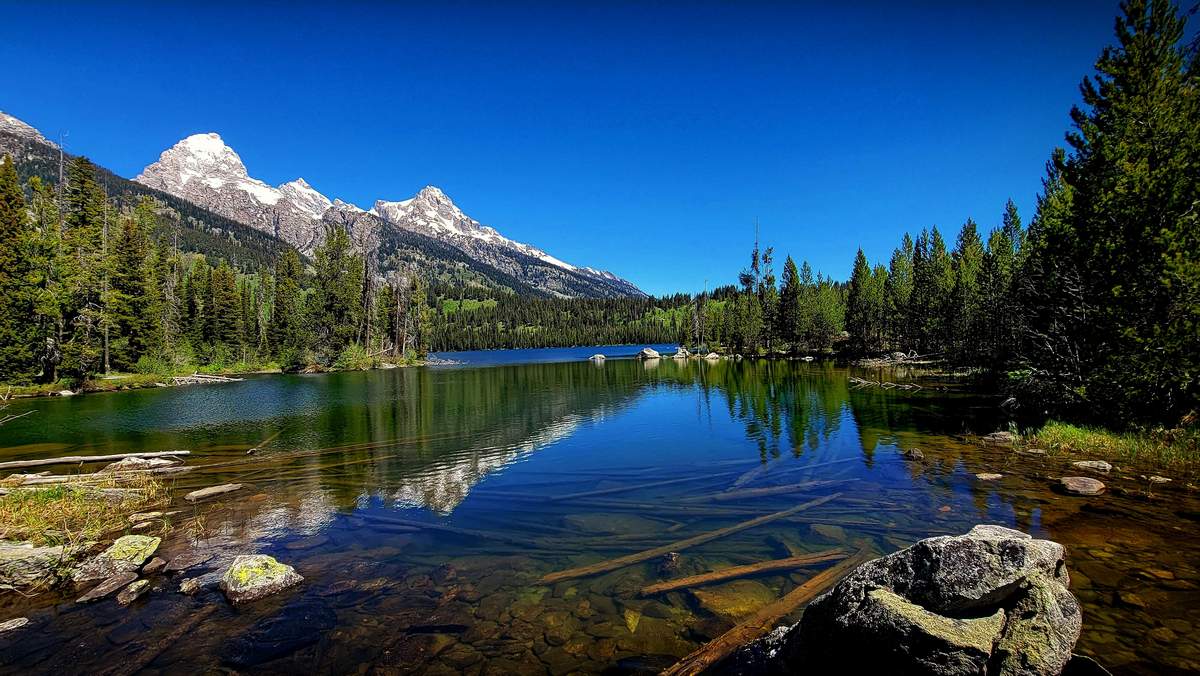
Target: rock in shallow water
[993, 601]
[1081, 485]
[251, 577]
[126, 554]
[1094, 465]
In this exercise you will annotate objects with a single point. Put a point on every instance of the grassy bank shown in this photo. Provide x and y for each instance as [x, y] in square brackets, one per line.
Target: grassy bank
[1172, 451]
[76, 512]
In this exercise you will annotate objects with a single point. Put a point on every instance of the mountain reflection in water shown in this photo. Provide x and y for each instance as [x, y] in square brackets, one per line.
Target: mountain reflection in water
[422, 505]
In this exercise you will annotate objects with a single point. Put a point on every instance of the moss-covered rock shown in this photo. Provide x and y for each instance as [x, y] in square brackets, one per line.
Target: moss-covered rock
[22, 565]
[251, 577]
[125, 555]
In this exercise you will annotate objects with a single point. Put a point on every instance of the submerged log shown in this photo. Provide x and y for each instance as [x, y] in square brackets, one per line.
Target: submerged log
[765, 492]
[621, 562]
[636, 487]
[73, 459]
[732, 572]
[762, 621]
[423, 525]
[770, 468]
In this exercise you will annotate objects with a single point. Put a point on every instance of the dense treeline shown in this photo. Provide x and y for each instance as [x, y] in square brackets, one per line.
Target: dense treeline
[88, 286]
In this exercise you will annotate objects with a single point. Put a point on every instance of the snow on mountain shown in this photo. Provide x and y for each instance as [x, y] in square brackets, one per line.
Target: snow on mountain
[203, 169]
[15, 127]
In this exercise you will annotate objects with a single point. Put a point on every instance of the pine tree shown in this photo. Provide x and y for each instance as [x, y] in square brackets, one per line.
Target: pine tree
[82, 270]
[18, 293]
[898, 291]
[857, 308]
[788, 316]
[286, 333]
[337, 307]
[134, 298]
[225, 314]
[964, 306]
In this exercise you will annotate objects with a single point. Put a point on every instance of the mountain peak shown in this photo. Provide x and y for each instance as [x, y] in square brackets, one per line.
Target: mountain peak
[11, 125]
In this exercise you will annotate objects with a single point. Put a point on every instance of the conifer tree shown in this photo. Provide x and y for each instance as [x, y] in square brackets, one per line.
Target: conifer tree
[788, 316]
[18, 334]
[286, 333]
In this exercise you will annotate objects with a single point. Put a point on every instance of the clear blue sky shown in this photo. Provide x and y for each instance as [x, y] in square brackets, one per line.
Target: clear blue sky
[644, 138]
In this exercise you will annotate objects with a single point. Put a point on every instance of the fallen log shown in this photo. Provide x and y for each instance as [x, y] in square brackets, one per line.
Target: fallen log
[209, 492]
[732, 572]
[423, 525]
[635, 487]
[762, 621]
[749, 493]
[621, 562]
[769, 468]
[73, 459]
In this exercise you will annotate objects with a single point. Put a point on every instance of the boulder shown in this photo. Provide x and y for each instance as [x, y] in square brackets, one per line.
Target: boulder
[251, 577]
[993, 601]
[1094, 465]
[682, 353]
[24, 565]
[712, 356]
[648, 353]
[597, 357]
[1000, 438]
[1081, 485]
[126, 554]
[154, 566]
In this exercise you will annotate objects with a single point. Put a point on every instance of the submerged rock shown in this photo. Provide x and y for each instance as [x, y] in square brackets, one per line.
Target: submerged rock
[189, 559]
[989, 476]
[294, 627]
[126, 554]
[108, 586]
[251, 577]
[712, 356]
[914, 454]
[154, 565]
[1081, 485]
[993, 601]
[734, 600]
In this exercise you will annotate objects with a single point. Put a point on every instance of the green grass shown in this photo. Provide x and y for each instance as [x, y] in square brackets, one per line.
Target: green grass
[69, 514]
[1167, 450]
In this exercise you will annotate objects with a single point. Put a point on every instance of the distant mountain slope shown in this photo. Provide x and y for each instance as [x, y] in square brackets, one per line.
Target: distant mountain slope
[204, 170]
[199, 230]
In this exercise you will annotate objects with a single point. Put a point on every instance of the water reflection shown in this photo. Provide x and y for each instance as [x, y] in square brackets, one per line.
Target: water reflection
[424, 504]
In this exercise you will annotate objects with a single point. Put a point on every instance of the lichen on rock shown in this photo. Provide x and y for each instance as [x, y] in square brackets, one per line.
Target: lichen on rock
[126, 554]
[251, 577]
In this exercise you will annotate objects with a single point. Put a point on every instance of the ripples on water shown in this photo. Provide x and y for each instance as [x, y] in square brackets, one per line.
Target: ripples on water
[495, 457]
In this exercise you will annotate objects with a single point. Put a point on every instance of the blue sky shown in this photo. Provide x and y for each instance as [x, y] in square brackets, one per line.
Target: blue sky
[644, 138]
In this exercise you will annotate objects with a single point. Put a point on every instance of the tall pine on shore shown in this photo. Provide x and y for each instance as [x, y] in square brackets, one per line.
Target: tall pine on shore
[18, 330]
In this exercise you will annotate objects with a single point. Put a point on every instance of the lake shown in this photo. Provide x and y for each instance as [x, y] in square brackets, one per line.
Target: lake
[424, 505]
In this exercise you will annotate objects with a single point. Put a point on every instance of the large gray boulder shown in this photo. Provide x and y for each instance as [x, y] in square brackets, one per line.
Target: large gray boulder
[252, 576]
[648, 353]
[23, 564]
[993, 601]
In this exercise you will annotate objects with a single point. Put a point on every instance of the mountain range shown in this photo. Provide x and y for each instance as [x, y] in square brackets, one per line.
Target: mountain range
[204, 177]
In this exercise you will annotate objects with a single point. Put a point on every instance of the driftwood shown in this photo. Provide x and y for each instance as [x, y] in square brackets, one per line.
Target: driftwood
[732, 572]
[884, 384]
[749, 493]
[621, 562]
[762, 621]
[73, 459]
[202, 379]
[42, 479]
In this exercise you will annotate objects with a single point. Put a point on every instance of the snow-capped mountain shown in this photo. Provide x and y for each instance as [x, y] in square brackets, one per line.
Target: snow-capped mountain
[204, 170]
[14, 127]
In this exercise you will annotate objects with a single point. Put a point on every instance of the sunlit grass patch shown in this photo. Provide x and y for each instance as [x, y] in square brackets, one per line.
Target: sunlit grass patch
[78, 511]
[1177, 449]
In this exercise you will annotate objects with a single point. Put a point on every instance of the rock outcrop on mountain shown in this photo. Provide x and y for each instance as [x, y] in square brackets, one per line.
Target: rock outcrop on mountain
[204, 170]
[11, 126]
